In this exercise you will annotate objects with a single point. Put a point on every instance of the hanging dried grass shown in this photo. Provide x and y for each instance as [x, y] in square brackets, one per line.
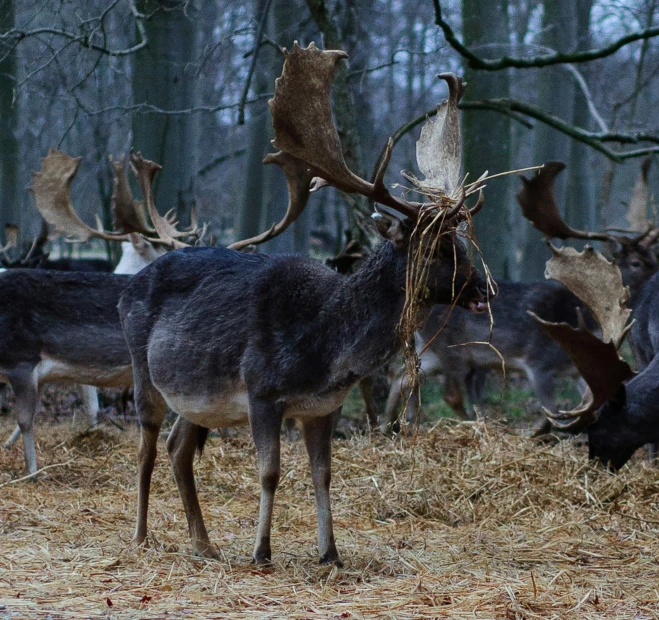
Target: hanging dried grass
[428, 233]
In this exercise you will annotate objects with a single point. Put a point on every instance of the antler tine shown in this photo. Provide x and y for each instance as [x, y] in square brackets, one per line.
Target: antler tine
[304, 125]
[52, 191]
[598, 284]
[129, 214]
[538, 203]
[145, 171]
[479, 204]
[298, 180]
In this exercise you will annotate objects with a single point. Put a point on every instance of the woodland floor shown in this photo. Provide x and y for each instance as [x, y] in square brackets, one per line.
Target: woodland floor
[462, 520]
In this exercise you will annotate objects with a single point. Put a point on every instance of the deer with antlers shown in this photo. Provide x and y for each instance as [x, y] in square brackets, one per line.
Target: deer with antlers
[58, 326]
[227, 338]
[619, 410]
[516, 337]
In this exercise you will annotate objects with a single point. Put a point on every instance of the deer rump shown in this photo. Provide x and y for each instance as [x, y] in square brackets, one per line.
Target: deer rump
[209, 322]
[51, 323]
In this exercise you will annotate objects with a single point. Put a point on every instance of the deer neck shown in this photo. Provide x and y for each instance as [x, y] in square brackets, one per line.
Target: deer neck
[374, 297]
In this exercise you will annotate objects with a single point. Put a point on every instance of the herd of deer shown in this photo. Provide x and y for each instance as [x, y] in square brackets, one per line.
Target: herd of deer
[223, 337]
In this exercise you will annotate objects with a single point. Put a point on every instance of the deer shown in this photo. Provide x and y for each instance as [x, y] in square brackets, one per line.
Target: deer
[619, 410]
[59, 326]
[516, 336]
[227, 338]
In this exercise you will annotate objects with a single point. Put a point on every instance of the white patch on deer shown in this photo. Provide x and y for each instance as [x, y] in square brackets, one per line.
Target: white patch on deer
[216, 411]
[53, 369]
[231, 408]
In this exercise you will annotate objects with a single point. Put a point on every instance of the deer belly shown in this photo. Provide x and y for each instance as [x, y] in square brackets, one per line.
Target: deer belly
[314, 405]
[216, 411]
[57, 370]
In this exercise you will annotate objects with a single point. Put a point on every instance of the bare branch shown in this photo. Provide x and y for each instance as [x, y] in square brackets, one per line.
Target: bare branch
[84, 39]
[498, 64]
[252, 66]
[519, 110]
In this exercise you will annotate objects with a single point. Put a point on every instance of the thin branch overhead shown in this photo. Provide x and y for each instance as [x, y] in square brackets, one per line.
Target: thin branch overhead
[84, 38]
[506, 62]
[520, 110]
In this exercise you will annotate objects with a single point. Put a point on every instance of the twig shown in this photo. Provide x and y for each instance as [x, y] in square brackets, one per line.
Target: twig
[252, 66]
[476, 62]
[4, 484]
[81, 39]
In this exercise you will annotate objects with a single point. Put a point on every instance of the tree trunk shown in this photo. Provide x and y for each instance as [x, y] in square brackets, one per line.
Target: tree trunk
[164, 77]
[345, 112]
[555, 95]
[580, 204]
[486, 135]
[9, 154]
[281, 18]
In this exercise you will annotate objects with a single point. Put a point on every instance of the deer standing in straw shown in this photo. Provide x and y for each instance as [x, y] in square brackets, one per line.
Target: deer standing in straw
[516, 336]
[227, 338]
[59, 326]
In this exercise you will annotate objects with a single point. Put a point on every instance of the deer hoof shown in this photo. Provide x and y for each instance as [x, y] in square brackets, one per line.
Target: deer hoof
[331, 558]
[206, 551]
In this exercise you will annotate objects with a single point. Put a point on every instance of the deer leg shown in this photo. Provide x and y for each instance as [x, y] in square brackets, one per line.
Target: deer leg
[151, 409]
[181, 446]
[454, 397]
[13, 438]
[398, 385]
[543, 385]
[265, 421]
[318, 441]
[4, 404]
[90, 398]
[366, 390]
[26, 390]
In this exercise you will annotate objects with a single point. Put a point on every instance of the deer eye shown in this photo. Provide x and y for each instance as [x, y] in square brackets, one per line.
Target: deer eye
[636, 263]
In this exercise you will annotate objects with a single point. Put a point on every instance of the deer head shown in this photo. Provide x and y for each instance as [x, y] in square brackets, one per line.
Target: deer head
[311, 157]
[632, 253]
[598, 284]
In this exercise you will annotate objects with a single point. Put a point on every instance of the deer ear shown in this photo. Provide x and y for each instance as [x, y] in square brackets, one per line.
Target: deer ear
[390, 227]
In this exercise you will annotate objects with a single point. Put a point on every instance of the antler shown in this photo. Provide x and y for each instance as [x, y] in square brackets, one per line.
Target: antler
[298, 180]
[598, 283]
[129, 215]
[305, 131]
[52, 191]
[538, 203]
[145, 170]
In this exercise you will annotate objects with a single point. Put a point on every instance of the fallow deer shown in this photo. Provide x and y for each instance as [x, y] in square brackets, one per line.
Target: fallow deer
[619, 411]
[60, 326]
[514, 335]
[225, 338]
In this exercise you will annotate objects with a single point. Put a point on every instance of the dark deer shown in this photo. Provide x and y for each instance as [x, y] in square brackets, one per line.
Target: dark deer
[619, 411]
[518, 338]
[61, 326]
[226, 338]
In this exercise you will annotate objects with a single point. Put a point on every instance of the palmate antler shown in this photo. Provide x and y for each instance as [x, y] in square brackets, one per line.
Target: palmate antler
[538, 203]
[598, 284]
[52, 190]
[310, 146]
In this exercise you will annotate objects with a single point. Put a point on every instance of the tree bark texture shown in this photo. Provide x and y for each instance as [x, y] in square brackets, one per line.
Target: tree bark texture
[486, 135]
[164, 77]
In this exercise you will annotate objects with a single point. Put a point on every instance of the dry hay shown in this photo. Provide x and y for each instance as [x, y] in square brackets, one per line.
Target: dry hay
[464, 520]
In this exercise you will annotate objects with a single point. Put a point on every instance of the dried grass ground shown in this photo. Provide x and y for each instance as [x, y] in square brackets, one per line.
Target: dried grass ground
[465, 520]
